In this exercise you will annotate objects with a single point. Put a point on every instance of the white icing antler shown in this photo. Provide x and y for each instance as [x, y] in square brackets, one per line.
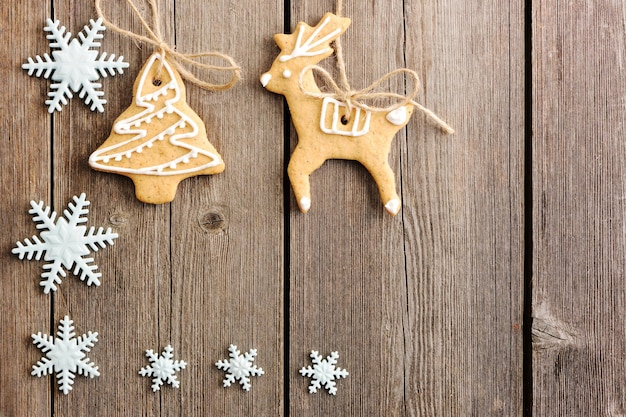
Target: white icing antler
[306, 49]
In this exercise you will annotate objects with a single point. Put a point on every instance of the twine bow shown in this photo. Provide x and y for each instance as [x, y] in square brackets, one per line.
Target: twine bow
[178, 60]
[352, 98]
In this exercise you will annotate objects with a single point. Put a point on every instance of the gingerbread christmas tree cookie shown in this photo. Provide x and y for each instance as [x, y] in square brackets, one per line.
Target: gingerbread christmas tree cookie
[158, 140]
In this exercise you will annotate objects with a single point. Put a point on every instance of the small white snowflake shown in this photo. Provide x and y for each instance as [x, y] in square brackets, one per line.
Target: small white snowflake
[239, 367]
[162, 368]
[74, 66]
[65, 243]
[65, 355]
[323, 372]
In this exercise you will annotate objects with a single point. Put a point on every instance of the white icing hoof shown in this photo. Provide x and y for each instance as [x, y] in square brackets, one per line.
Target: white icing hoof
[265, 79]
[398, 116]
[393, 206]
[305, 204]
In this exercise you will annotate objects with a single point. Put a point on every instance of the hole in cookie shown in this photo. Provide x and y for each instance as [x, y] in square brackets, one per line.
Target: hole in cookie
[156, 82]
[344, 120]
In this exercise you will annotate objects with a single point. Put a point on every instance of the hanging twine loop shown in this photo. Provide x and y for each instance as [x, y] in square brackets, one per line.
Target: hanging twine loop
[179, 61]
[356, 98]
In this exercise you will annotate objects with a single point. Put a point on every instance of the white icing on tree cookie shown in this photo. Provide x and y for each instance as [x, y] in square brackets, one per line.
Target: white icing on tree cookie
[157, 105]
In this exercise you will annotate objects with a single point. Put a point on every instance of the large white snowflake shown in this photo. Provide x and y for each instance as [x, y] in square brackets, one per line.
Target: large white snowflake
[323, 373]
[239, 367]
[74, 66]
[65, 355]
[162, 368]
[65, 243]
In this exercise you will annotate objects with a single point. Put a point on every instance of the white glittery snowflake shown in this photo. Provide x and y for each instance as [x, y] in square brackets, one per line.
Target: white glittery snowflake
[162, 368]
[65, 243]
[65, 355]
[74, 66]
[239, 367]
[323, 373]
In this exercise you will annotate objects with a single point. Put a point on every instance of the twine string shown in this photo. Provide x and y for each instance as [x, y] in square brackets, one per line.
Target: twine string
[341, 64]
[180, 61]
[356, 98]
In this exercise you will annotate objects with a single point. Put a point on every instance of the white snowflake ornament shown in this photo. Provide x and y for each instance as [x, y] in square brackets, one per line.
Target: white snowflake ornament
[324, 372]
[74, 66]
[65, 243]
[65, 355]
[239, 367]
[162, 368]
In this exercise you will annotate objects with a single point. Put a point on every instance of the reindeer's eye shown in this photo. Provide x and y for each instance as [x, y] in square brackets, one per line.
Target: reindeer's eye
[286, 73]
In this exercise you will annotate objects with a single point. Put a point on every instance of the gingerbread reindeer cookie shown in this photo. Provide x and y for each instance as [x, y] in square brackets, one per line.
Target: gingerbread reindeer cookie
[327, 127]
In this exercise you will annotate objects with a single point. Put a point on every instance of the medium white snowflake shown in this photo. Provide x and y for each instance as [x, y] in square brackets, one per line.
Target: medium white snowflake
[323, 372]
[65, 355]
[239, 367]
[65, 243]
[74, 66]
[162, 368]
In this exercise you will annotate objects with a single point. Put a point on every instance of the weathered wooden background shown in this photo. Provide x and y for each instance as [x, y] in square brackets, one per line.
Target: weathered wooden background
[497, 291]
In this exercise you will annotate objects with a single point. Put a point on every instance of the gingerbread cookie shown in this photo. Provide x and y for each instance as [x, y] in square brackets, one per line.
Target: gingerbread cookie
[326, 127]
[158, 140]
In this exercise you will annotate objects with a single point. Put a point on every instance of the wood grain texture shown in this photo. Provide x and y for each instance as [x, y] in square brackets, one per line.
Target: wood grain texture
[136, 274]
[578, 208]
[425, 309]
[463, 216]
[227, 282]
[24, 171]
[347, 263]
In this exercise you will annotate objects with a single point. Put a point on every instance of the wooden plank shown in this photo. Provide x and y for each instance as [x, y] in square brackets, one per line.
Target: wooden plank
[578, 207]
[24, 175]
[347, 262]
[126, 309]
[426, 308]
[463, 216]
[227, 229]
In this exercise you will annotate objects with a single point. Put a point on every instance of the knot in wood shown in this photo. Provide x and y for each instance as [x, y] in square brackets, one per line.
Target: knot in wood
[117, 219]
[213, 220]
[550, 333]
